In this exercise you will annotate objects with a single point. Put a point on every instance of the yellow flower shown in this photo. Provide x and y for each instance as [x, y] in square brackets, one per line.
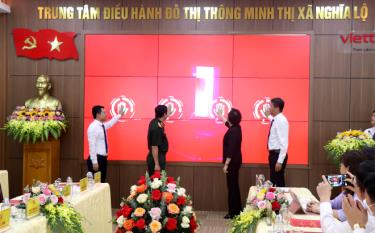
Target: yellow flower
[260, 196]
[21, 113]
[139, 212]
[173, 209]
[155, 226]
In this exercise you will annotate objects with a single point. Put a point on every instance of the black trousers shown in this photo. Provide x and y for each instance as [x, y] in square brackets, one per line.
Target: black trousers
[151, 162]
[102, 162]
[234, 195]
[277, 178]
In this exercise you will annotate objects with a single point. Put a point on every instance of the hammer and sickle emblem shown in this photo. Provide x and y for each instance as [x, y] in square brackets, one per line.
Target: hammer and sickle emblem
[30, 43]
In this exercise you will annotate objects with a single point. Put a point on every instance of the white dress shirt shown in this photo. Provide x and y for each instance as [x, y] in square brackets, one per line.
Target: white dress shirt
[95, 135]
[279, 136]
[370, 131]
[330, 224]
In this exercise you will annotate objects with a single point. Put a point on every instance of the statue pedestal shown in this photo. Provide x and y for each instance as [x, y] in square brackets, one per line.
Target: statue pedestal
[41, 161]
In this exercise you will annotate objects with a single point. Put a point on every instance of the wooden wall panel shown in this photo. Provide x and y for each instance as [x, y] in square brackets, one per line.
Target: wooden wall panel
[330, 99]
[362, 102]
[329, 59]
[217, 26]
[362, 65]
[19, 89]
[71, 139]
[66, 25]
[332, 26]
[149, 26]
[253, 26]
[14, 167]
[369, 25]
[296, 25]
[104, 25]
[210, 189]
[3, 79]
[70, 167]
[322, 132]
[177, 26]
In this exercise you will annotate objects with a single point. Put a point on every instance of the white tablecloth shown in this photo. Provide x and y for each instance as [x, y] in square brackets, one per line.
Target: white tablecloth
[94, 206]
[4, 183]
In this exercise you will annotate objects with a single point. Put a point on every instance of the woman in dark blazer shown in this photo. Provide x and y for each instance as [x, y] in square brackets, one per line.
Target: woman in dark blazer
[232, 160]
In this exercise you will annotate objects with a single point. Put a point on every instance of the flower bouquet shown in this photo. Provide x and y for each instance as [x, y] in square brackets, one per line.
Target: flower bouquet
[156, 204]
[32, 125]
[347, 141]
[263, 202]
[61, 217]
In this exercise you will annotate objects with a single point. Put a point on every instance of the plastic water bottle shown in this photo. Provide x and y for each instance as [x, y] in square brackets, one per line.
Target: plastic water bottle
[279, 226]
[284, 212]
[6, 204]
[69, 182]
[91, 181]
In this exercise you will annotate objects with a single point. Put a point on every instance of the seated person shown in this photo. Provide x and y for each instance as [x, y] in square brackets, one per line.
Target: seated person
[359, 224]
[349, 162]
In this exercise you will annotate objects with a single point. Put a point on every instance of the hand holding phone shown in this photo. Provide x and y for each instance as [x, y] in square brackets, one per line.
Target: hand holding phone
[337, 180]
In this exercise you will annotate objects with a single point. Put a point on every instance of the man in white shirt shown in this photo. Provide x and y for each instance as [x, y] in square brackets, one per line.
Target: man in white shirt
[277, 145]
[97, 138]
[371, 131]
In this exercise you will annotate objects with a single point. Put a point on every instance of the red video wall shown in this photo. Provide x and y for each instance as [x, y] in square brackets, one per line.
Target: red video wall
[195, 75]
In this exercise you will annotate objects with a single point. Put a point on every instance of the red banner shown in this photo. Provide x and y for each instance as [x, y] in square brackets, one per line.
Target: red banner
[45, 43]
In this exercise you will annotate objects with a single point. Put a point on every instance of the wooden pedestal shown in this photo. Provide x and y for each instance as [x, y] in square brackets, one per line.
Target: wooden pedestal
[41, 161]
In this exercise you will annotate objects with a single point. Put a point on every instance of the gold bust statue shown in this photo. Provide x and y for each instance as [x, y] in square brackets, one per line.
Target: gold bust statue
[44, 100]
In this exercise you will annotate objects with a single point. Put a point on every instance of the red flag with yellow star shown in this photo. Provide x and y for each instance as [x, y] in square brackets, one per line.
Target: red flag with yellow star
[45, 43]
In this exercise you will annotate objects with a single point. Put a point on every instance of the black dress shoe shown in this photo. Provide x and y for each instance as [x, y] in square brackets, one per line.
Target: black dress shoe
[228, 216]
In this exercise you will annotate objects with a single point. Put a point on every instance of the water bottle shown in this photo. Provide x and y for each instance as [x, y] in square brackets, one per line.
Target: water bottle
[284, 212]
[91, 181]
[6, 204]
[69, 182]
[279, 226]
[57, 185]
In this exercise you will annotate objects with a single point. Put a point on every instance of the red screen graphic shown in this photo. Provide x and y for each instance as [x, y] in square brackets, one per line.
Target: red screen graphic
[196, 74]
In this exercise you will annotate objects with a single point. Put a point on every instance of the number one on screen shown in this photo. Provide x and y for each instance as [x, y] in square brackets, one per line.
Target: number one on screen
[204, 90]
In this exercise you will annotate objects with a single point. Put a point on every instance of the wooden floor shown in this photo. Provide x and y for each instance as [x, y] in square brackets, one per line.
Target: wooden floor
[211, 222]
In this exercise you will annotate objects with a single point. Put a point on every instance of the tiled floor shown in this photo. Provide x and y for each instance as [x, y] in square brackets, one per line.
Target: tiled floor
[211, 222]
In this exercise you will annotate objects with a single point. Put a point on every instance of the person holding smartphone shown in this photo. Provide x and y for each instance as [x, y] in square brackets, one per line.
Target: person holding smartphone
[359, 212]
[350, 162]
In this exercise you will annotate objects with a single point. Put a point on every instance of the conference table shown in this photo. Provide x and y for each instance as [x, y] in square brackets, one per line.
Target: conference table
[93, 205]
[300, 222]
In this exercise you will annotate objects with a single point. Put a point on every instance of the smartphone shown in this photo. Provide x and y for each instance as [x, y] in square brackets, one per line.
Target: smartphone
[337, 180]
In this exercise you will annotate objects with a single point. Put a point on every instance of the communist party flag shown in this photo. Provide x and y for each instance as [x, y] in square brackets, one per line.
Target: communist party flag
[45, 43]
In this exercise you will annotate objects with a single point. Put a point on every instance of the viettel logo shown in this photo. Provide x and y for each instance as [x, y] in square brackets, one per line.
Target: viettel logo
[358, 38]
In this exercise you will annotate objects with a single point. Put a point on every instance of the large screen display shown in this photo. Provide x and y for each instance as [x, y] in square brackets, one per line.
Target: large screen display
[195, 75]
